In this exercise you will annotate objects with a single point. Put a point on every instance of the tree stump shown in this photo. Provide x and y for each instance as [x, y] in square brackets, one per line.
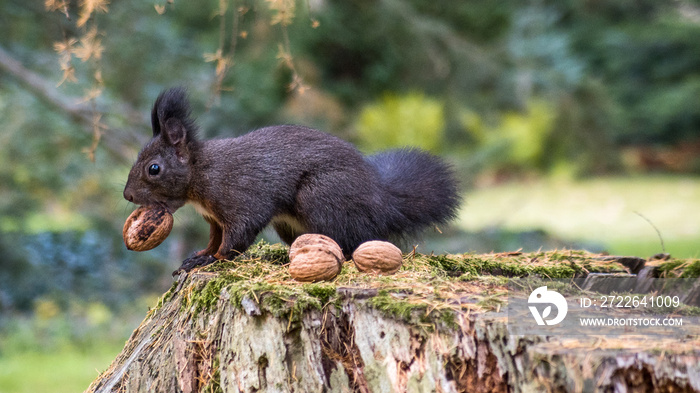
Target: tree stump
[436, 326]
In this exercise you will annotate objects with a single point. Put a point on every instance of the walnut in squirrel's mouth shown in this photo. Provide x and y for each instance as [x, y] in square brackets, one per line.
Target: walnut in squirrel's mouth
[147, 227]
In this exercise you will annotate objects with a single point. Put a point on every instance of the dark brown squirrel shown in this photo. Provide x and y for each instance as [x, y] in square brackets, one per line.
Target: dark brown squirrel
[298, 179]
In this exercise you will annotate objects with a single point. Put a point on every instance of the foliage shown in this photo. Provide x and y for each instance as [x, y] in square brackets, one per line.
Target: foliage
[515, 87]
[521, 139]
[70, 267]
[399, 121]
[650, 67]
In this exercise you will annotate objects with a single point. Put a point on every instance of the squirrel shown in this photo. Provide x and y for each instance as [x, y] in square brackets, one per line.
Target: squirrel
[298, 179]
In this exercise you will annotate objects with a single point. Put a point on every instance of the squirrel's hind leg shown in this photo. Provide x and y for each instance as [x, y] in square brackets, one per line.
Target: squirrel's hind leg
[288, 228]
[236, 239]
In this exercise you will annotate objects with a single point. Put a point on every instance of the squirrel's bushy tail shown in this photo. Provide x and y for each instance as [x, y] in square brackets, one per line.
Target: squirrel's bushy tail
[422, 189]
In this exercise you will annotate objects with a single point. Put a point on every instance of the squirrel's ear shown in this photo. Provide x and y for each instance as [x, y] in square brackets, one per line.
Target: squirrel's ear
[176, 134]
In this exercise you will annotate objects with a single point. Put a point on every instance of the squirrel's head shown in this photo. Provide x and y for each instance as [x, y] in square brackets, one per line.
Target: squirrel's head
[163, 170]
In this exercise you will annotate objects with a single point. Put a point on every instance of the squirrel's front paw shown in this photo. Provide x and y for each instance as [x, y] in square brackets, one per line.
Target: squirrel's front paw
[193, 262]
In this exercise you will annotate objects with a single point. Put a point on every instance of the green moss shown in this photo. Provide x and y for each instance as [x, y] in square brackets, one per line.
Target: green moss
[692, 270]
[278, 303]
[448, 318]
[558, 256]
[668, 267]
[277, 254]
[613, 267]
[239, 291]
[691, 311]
[289, 303]
[680, 268]
[282, 301]
[391, 304]
[205, 297]
[449, 266]
[501, 268]
[322, 291]
[257, 256]
[560, 271]
[398, 306]
[423, 292]
[471, 267]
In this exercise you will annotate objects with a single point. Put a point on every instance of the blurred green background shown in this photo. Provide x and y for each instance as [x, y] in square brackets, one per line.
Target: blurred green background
[570, 124]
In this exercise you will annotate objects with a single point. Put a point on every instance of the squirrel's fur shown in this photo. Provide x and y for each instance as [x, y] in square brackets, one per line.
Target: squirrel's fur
[298, 179]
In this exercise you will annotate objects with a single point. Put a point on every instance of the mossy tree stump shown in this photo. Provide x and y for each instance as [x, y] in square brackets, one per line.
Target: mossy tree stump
[435, 326]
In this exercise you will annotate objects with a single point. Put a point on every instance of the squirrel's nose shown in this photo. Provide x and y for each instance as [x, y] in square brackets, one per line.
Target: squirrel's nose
[128, 196]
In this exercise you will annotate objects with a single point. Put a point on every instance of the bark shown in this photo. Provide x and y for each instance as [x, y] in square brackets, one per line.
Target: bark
[231, 342]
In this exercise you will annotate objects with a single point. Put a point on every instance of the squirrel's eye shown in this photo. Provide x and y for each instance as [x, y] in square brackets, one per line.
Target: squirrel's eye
[154, 169]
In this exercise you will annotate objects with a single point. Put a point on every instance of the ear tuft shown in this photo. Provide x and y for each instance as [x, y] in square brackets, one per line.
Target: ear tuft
[173, 104]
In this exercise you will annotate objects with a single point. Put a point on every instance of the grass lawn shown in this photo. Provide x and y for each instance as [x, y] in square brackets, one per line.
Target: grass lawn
[615, 212]
[68, 370]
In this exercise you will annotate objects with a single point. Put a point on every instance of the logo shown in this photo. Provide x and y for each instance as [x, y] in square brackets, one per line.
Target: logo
[542, 296]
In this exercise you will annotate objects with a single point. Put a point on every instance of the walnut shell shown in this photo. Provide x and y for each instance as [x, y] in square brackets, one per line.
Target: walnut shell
[377, 257]
[147, 227]
[315, 258]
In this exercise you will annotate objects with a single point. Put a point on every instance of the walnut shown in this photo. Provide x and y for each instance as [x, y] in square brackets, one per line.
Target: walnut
[377, 257]
[147, 227]
[315, 258]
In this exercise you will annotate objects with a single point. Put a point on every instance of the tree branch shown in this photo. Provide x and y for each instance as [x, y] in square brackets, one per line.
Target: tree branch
[118, 142]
